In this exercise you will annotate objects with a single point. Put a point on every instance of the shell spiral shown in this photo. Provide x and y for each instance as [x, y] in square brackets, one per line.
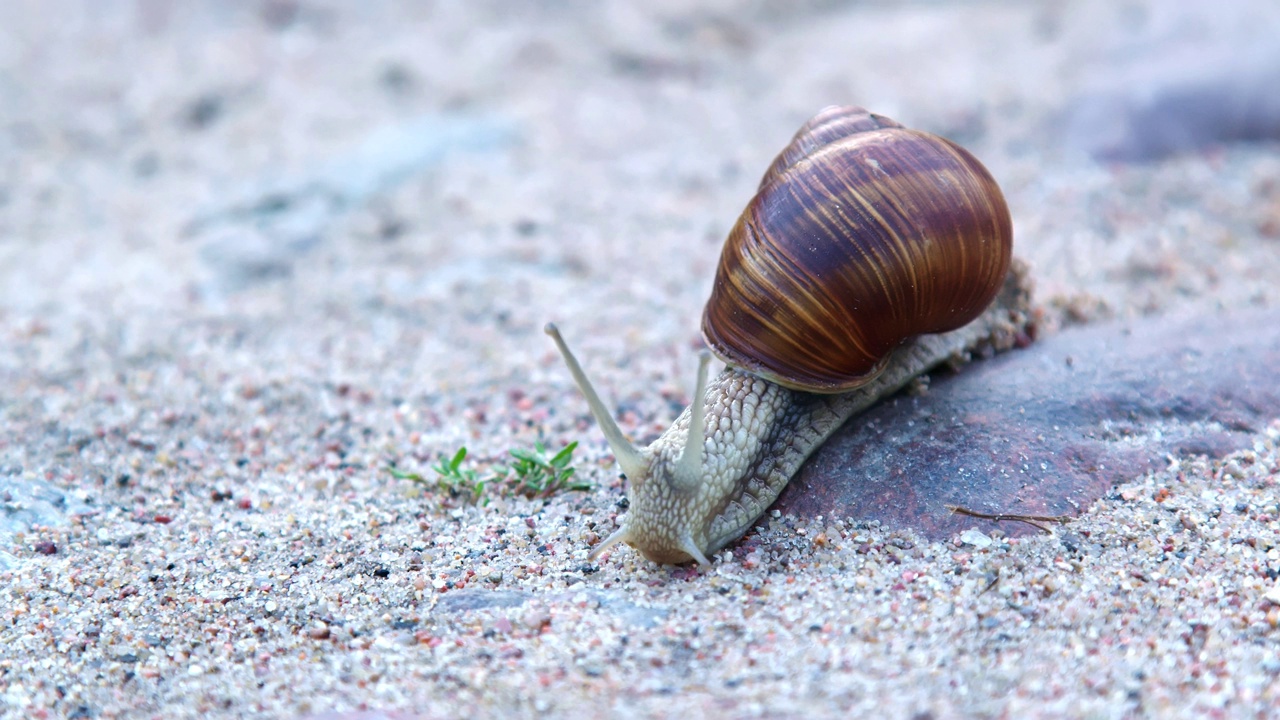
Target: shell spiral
[862, 235]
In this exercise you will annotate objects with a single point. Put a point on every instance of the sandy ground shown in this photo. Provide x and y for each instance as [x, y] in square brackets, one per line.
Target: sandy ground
[253, 254]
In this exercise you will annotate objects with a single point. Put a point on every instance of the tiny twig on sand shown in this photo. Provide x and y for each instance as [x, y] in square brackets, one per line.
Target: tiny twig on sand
[1032, 520]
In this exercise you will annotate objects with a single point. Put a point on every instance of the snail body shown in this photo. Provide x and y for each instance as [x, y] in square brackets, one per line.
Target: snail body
[864, 259]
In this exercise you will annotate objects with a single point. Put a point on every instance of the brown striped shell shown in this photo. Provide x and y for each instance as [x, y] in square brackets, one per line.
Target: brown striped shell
[863, 234]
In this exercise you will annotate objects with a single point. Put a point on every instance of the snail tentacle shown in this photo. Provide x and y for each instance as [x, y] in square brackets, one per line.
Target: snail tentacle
[687, 473]
[619, 535]
[630, 459]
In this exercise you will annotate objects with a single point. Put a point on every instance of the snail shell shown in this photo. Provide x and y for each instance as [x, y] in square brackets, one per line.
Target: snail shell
[863, 234]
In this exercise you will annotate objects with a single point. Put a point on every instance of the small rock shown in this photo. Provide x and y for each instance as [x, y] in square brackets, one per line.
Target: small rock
[1273, 595]
[536, 619]
[975, 537]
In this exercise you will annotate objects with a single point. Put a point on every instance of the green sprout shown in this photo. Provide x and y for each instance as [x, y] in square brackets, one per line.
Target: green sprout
[451, 478]
[533, 475]
[539, 476]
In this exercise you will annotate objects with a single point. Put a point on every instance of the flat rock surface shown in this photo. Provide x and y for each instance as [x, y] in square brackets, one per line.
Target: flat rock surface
[1049, 429]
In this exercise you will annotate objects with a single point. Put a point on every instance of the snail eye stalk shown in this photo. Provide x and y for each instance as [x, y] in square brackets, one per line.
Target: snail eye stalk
[629, 457]
[688, 470]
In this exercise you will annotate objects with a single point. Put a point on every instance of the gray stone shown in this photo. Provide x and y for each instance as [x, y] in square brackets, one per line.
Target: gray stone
[26, 502]
[260, 235]
[1049, 429]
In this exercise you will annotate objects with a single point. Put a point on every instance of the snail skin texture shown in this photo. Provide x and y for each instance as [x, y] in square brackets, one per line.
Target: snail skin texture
[870, 254]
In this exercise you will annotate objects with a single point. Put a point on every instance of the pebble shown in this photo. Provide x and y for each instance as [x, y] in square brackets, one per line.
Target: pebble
[975, 538]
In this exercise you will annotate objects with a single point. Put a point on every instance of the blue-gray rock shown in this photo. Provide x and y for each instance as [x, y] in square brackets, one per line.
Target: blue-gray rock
[26, 502]
[259, 235]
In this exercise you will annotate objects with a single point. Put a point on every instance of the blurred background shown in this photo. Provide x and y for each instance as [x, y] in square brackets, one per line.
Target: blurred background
[409, 190]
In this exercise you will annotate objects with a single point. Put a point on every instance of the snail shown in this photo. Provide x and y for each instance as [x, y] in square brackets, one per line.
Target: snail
[870, 253]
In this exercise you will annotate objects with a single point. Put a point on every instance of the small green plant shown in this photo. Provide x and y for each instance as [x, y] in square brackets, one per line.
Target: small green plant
[539, 476]
[451, 478]
[533, 475]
